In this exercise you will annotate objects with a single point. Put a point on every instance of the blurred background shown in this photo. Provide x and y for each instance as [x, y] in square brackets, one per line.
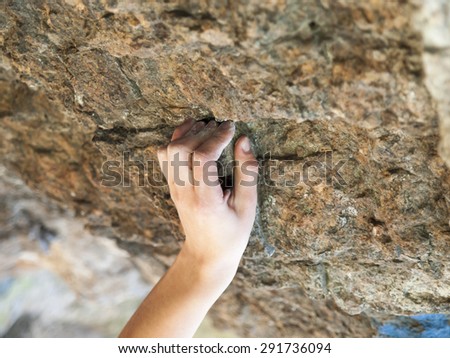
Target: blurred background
[57, 280]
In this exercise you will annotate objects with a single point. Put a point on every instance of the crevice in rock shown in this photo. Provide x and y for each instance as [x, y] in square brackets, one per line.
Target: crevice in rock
[119, 134]
[134, 86]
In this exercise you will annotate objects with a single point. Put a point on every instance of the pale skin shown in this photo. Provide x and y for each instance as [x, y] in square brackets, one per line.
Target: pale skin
[216, 223]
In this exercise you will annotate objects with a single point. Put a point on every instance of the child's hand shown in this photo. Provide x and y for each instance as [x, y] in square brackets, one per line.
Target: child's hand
[217, 224]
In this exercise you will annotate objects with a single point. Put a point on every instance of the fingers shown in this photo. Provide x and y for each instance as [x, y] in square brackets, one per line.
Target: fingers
[213, 146]
[245, 177]
[204, 164]
[189, 161]
[179, 132]
[180, 153]
[182, 129]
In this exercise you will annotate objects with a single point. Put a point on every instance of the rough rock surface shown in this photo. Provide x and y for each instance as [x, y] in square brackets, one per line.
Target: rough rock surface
[318, 84]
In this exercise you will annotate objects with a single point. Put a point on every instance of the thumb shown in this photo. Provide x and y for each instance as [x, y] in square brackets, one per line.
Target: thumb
[245, 177]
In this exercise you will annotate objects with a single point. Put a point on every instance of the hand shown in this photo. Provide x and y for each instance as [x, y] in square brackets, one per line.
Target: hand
[217, 224]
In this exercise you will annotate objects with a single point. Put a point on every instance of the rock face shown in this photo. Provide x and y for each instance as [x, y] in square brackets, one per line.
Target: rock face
[353, 202]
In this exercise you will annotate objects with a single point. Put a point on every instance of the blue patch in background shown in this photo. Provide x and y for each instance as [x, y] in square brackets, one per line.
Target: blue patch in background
[5, 285]
[419, 326]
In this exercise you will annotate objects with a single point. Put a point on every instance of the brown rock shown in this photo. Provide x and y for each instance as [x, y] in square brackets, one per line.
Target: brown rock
[333, 90]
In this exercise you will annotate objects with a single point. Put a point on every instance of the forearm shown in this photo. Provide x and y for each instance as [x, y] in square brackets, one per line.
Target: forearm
[178, 303]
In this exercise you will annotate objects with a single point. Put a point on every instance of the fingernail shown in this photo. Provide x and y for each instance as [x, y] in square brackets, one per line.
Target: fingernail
[227, 125]
[211, 124]
[197, 127]
[245, 145]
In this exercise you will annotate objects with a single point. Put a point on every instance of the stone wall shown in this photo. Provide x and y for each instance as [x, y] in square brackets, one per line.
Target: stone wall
[334, 89]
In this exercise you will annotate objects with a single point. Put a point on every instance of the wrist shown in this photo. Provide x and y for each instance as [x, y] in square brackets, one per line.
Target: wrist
[212, 270]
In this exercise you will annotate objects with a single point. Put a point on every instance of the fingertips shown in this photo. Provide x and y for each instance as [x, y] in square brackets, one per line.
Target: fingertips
[196, 128]
[182, 129]
[211, 125]
[247, 171]
[200, 127]
[216, 140]
[243, 150]
[245, 177]
[226, 130]
[227, 126]
[243, 146]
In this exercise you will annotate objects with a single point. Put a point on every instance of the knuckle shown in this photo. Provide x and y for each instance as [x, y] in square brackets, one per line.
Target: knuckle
[199, 205]
[201, 157]
[175, 147]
